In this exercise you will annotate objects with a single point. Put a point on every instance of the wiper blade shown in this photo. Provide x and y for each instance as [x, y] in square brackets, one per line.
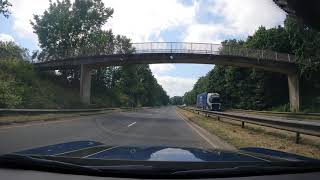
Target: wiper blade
[17, 161]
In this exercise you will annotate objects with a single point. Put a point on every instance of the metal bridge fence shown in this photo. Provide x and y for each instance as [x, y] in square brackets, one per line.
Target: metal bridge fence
[179, 47]
[208, 48]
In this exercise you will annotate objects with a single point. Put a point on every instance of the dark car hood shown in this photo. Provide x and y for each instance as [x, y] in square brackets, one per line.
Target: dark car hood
[97, 150]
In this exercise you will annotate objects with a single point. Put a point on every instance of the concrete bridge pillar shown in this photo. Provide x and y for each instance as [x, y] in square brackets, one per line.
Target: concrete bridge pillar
[294, 97]
[85, 83]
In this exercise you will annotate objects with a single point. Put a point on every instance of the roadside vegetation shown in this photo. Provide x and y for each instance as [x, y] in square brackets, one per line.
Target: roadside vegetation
[260, 90]
[176, 100]
[256, 136]
[15, 119]
[22, 87]
[64, 30]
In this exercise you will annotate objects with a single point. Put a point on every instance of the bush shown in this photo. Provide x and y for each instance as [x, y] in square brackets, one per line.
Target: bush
[8, 97]
[22, 87]
[10, 50]
[11, 88]
[282, 108]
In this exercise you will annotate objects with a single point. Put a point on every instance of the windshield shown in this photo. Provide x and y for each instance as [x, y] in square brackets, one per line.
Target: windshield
[196, 81]
[214, 99]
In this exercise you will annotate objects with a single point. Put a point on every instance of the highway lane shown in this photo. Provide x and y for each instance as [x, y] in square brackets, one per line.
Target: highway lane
[156, 126]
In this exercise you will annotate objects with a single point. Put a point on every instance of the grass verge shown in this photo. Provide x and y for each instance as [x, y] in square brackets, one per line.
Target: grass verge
[256, 136]
[26, 118]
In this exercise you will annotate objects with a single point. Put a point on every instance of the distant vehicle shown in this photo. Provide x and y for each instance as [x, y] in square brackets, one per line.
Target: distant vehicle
[209, 101]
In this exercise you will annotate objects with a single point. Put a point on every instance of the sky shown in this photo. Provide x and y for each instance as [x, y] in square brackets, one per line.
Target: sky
[205, 21]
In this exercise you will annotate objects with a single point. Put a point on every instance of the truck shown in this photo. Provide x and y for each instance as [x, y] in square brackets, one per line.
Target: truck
[209, 101]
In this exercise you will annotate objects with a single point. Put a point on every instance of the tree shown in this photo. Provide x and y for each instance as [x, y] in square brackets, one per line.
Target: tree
[10, 50]
[176, 100]
[305, 43]
[200, 86]
[67, 29]
[4, 8]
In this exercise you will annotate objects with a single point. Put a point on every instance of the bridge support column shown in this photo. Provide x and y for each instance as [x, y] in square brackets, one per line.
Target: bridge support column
[294, 98]
[85, 84]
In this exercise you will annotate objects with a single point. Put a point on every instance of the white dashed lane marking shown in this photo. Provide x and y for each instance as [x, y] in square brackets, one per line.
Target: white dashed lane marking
[132, 124]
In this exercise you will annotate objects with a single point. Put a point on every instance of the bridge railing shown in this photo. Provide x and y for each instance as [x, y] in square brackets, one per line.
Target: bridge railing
[207, 48]
[184, 47]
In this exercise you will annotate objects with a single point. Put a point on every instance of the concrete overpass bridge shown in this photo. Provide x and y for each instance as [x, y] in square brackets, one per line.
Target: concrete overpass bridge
[182, 52]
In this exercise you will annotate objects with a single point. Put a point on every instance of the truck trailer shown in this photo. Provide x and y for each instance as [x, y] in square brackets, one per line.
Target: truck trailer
[209, 101]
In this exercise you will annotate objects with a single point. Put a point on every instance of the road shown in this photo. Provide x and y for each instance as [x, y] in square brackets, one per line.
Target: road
[156, 126]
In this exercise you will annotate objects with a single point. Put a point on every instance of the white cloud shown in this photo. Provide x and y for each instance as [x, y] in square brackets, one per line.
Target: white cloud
[143, 20]
[22, 13]
[176, 86]
[234, 19]
[158, 69]
[206, 33]
[6, 38]
[245, 16]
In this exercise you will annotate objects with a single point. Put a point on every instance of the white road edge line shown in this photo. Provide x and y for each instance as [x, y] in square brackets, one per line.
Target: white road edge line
[199, 133]
[132, 124]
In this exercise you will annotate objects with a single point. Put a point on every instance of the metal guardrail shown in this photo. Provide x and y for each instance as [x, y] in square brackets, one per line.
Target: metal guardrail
[208, 48]
[41, 111]
[277, 113]
[299, 127]
[5, 111]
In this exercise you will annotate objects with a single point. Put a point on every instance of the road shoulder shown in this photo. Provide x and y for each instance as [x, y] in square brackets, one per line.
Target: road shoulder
[213, 140]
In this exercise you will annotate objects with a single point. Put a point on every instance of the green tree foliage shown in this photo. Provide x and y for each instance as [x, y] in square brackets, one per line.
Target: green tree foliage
[176, 100]
[22, 87]
[9, 50]
[256, 89]
[71, 29]
[4, 8]
[200, 86]
[129, 85]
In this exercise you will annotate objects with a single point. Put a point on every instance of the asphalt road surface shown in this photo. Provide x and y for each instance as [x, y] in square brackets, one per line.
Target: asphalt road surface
[157, 126]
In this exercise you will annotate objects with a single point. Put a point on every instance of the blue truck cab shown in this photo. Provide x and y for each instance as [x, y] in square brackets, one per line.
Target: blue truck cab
[209, 101]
